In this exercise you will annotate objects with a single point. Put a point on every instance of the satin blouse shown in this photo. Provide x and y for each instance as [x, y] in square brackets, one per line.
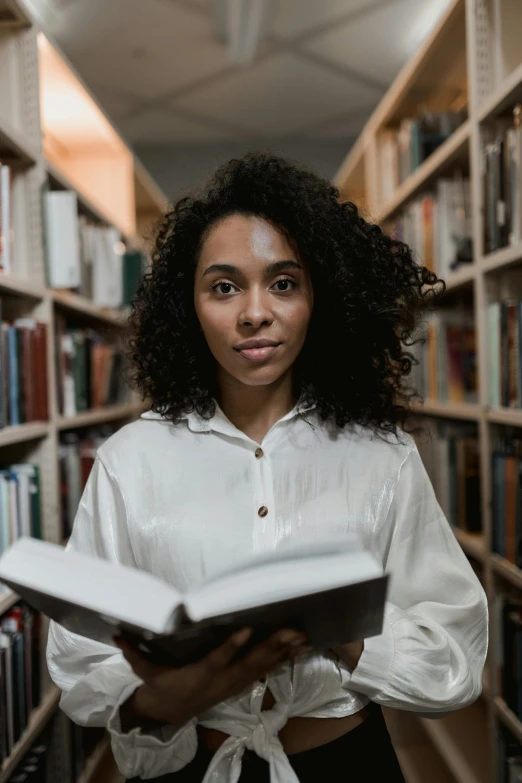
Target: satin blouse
[184, 501]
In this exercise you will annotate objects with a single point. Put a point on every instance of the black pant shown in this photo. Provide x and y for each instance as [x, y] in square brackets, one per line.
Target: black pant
[363, 755]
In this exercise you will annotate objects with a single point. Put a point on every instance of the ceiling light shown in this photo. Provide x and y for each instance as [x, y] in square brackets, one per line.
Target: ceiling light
[241, 25]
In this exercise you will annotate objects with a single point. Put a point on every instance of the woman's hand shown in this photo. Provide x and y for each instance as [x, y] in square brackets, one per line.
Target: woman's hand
[173, 696]
[350, 653]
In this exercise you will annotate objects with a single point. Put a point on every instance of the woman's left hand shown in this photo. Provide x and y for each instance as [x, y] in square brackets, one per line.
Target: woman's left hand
[350, 653]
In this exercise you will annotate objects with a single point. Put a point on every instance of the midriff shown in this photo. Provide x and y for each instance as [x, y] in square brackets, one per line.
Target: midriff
[299, 734]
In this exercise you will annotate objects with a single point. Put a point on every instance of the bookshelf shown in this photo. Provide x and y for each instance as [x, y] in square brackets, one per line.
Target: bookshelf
[482, 74]
[54, 135]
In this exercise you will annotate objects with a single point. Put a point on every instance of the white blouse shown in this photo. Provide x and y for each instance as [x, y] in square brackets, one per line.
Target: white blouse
[183, 501]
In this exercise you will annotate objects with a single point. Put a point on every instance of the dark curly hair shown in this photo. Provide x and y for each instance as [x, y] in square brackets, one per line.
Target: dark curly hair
[368, 298]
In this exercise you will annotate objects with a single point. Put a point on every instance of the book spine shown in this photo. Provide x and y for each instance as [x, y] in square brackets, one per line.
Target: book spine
[14, 414]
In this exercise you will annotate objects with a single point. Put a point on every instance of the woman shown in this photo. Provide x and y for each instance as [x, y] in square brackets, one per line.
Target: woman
[269, 337]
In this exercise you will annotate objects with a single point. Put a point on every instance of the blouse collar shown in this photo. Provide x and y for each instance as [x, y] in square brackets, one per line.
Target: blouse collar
[221, 424]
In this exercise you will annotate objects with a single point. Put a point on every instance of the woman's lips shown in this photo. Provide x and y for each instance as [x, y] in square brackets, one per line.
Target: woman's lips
[258, 354]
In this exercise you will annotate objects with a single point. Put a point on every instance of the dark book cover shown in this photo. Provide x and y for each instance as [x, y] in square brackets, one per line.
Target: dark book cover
[21, 370]
[504, 354]
[14, 412]
[36, 503]
[59, 362]
[28, 378]
[39, 336]
[498, 502]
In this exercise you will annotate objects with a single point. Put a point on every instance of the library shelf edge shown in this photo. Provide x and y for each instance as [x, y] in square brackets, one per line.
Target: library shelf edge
[504, 568]
[79, 304]
[422, 764]
[18, 286]
[508, 416]
[472, 543]
[461, 277]
[93, 762]
[502, 258]
[445, 154]
[33, 430]
[100, 416]
[508, 718]
[449, 410]
[37, 721]
[15, 149]
[462, 740]
[504, 96]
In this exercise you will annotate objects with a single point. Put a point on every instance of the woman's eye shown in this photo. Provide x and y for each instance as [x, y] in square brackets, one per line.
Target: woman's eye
[284, 285]
[223, 288]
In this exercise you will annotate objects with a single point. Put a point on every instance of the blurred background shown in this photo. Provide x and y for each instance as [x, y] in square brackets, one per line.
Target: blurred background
[111, 109]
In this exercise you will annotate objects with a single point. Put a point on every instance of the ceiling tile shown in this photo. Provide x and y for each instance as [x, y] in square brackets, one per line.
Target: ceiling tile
[158, 127]
[278, 96]
[295, 17]
[161, 47]
[379, 42]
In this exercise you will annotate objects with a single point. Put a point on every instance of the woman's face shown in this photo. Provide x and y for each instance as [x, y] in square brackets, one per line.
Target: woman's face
[254, 298]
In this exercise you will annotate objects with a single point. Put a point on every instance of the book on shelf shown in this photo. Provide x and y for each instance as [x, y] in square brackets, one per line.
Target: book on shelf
[508, 758]
[502, 182]
[403, 149]
[86, 257]
[6, 220]
[76, 455]
[90, 370]
[452, 460]
[506, 500]
[446, 358]
[20, 503]
[20, 673]
[23, 372]
[60, 753]
[333, 591]
[504, 328]
[437, 226]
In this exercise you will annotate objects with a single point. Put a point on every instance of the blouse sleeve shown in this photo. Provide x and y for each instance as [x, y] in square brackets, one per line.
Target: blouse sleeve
[94, 678]
[430, 656]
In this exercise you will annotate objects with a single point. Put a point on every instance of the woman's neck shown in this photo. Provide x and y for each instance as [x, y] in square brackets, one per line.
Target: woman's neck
[255, 409]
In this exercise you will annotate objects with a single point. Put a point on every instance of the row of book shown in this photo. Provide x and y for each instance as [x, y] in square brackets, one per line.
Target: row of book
[88, 257]
[438, 227]
[90, 370]
[403, 149]
[452, 459]
[23, 372]
[20, 504]
[506, 506]
[446, 357]
[509, 758]
[503, 182]
[76, 458]
[504, 353]
[60, 753]
[20, 673]
[6, 221]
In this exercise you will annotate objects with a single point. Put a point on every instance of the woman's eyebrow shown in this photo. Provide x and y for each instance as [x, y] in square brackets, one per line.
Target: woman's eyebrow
[230, 269]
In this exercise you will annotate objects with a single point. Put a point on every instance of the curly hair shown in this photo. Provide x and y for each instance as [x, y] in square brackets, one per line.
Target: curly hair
[369, 295]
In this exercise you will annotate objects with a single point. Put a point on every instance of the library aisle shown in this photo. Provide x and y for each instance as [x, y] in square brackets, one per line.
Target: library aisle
[439, 165]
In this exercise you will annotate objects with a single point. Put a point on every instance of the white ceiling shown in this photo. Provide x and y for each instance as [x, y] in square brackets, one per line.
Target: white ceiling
[158, 69]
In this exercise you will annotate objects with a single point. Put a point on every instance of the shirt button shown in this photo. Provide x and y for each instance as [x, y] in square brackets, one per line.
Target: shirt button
[259, 453]
[263, 511]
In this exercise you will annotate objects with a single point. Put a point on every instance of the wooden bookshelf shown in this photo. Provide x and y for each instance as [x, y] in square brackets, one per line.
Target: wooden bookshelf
[82, 152]
[100, 416]
[94, 762]
[508, 718]
[473, 544]
[489, 86]
[37, 722]
[455, 147]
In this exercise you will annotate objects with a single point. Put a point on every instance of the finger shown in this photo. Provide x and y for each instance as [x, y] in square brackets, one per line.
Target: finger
[222, 655]
[270, 654]
[139, 664]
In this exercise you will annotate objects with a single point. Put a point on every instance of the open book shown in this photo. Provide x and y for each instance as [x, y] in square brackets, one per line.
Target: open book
[333, 591]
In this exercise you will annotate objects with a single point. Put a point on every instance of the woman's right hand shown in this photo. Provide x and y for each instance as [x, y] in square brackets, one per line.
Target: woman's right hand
[173, 696]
